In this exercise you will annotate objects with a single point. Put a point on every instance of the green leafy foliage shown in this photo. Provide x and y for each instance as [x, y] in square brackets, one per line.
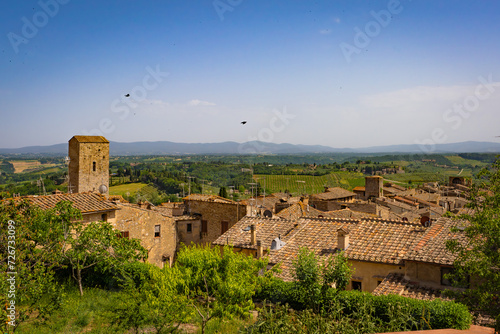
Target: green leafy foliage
[221, 285]
[478, 258]
[98, 244]
[32, 241]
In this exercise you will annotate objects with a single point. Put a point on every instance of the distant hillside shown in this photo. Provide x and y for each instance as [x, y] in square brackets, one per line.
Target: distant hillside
[255, 147]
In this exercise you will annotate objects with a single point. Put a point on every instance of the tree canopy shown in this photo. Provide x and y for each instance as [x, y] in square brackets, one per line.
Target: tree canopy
[479, 257]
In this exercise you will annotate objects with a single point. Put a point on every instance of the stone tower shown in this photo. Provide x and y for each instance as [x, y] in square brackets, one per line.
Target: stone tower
[373, 186]
[89, 164]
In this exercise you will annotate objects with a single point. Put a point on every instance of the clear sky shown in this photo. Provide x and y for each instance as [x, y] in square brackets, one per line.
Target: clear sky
[336, 73]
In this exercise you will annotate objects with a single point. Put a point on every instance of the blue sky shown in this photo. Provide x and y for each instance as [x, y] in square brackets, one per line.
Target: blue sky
[335, 73]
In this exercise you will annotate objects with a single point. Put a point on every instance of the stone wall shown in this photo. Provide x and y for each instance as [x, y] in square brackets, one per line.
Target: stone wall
[83, 158]
[188, 234]
[216, 214]
[373, 186]
[109, 217]
[371, 273]
[140, 224]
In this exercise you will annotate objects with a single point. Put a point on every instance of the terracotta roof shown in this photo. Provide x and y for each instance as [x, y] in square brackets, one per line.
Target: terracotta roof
[396, 284]
[373, 240]
[359, 188]
[267, 229]
[85, 202]
[268, 202]
[208, 198]
[348, 213]
[90, 139]
[431, 247]
[332, 194]
[185, 217]
[299, 209]
[406, 201]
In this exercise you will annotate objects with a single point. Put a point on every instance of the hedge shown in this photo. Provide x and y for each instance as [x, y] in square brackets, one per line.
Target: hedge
[418, 314]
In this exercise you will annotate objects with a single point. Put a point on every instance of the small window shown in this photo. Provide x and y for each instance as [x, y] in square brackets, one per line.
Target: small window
[157, 231]
[224, 226]
[356, 285]
[189, 228]
[204, 226]
[93, 166]
[104, 217]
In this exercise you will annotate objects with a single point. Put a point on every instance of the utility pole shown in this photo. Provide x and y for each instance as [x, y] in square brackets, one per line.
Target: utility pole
[189, 178]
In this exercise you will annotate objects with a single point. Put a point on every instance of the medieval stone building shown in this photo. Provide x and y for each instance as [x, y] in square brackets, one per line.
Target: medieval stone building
[89, 164]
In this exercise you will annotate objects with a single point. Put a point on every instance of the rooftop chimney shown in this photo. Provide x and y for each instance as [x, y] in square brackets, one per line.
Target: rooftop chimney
[259, 249]
[253, 235]
[342, 239]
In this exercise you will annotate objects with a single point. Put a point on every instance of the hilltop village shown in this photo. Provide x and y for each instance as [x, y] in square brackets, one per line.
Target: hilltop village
[394, 237]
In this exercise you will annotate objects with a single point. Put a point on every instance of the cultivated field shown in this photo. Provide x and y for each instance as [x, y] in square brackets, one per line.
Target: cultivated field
[311, 184]
[22, 165]
[126, 189]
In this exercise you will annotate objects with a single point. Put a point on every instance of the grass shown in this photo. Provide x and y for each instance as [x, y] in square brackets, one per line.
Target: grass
[458, 160]
[90, 313]
[123, 189]
[77, 314]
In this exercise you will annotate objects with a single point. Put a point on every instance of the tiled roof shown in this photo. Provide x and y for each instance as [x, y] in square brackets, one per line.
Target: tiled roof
[432, 246]
[186, 217]
[348, 213]
[427, 197]
[396, 284]
[85, 202]
[90, 139]
[266, 202]
[359, 188]
[299, 209]
[267, 229]
[332, 194]
[208, 198]
[373, 240]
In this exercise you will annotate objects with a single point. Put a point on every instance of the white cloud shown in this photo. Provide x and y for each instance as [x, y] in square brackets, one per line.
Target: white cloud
[325, 31]
[196, 102]
[336, 20]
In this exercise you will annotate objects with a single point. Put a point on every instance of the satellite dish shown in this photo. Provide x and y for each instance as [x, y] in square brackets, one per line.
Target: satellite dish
[268, 214]
[103, 188]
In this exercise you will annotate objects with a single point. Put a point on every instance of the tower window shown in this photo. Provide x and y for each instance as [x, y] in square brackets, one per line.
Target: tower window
[93, 166]
[157, 231]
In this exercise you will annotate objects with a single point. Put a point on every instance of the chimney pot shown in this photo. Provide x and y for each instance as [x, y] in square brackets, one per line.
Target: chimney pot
[342, 239]
[253, 235]
[259, 249]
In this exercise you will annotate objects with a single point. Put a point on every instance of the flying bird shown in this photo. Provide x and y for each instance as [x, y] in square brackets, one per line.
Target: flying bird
[244, 122]
[127, 95]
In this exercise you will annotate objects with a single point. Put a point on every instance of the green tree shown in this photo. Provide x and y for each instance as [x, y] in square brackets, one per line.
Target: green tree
[314, 279]
[336, 270]
[31, 242]
[99, 244]
[478, 256]
[220, 285]
[306, 272]
[223, 192]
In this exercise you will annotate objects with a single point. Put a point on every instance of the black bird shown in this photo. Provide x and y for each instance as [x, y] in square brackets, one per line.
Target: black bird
[127, 95]
[244, 122]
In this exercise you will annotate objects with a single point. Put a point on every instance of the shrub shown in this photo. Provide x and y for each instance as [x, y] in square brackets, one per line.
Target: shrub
[395, 312]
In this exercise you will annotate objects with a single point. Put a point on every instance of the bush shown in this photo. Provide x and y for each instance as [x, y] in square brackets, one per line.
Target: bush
[400, 313]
